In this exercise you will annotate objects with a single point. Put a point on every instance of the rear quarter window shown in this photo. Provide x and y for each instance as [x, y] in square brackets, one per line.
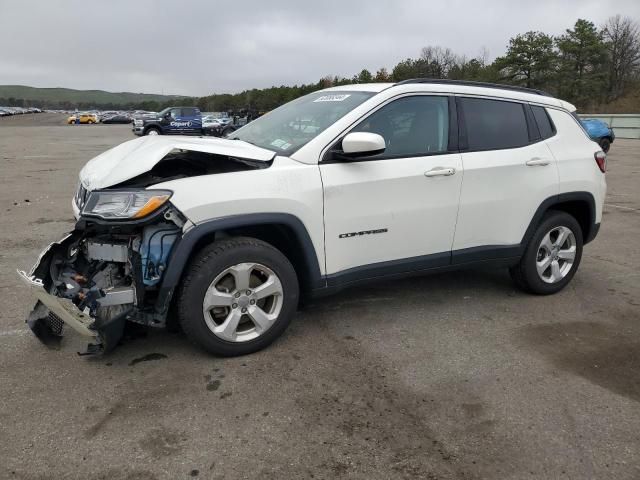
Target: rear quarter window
[545, 125]
[494, 124]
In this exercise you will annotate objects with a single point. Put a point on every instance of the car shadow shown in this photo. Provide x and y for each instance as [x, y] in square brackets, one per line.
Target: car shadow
[420, 291]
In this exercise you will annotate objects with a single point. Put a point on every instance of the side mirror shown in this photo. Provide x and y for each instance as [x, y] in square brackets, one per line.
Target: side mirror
[360, 144]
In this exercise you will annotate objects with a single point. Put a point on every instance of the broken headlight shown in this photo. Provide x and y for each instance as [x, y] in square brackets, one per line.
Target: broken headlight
[124, 204]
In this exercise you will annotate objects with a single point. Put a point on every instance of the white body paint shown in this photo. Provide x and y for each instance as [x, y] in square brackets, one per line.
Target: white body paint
[486, 198]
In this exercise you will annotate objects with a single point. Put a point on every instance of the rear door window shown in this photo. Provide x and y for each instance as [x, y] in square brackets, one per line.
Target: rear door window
[494, 124]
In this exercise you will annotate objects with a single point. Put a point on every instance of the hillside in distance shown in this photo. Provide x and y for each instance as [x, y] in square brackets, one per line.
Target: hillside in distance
[20, 95]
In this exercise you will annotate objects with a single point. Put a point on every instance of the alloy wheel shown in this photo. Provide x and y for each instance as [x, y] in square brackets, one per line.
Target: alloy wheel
[556, 254]
[243, 302]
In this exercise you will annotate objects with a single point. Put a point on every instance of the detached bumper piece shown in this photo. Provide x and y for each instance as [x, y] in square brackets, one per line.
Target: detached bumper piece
[89, 296]
[51, 313]
[62, 308]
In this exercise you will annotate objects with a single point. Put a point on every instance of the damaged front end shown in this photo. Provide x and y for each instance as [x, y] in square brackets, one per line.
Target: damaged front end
[101, 276]
[113, 268]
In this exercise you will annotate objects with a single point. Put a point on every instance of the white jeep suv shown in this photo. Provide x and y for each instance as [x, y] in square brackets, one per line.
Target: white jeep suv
[338, 187]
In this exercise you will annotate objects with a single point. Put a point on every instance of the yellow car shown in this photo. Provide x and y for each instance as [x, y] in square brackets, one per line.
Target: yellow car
[84, 118]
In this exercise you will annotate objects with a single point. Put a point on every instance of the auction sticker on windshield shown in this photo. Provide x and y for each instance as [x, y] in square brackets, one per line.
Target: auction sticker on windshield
[332, 98]
[281, 144]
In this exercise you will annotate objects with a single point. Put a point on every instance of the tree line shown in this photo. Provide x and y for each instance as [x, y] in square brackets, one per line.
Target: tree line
[586, 65]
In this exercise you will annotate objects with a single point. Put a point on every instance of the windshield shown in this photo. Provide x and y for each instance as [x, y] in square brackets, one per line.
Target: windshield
[296, 123]
[164, 112]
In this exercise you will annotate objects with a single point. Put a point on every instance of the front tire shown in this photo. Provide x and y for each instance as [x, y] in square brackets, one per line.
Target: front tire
[238, 296]
[152, 131]
[552, 255]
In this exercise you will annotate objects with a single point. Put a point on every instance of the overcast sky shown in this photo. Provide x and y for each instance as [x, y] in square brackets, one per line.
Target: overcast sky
[198, 47]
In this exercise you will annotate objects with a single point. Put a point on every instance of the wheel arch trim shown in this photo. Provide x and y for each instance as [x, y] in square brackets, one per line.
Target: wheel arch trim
[562, 198]
[184, 248]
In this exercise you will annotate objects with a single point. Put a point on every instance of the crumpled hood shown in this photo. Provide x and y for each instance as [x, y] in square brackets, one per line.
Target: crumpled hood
[138, 156]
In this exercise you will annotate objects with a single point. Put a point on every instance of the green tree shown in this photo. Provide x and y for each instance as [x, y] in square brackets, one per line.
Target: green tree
[410, 68]
[364, 77]
[382, 75]
[583, 58]
[473, 69]
[530, 60]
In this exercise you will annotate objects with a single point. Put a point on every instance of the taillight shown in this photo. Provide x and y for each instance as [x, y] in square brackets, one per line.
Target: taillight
[601, 160]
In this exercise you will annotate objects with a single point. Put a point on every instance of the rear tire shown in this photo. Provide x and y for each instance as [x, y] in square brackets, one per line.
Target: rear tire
[552, 255]
[237, 296]
[605, 144]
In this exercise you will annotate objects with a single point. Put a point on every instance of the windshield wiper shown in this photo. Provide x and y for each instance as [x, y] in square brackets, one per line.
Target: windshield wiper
[246, 141]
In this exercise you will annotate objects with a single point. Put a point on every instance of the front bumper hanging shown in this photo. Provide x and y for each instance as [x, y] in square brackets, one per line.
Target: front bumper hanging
[63, 308]
[52, 312]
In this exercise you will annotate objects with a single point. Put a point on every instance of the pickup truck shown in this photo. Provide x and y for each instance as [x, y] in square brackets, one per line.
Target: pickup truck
[170, 121]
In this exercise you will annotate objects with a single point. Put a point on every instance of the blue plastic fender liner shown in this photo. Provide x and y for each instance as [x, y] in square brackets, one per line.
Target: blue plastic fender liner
[156, 245]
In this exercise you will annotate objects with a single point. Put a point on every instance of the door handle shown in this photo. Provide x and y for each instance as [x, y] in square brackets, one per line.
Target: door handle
[538, 162]
[440, 172]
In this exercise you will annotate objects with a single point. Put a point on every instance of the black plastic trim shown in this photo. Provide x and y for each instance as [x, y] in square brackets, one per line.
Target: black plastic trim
[593, 233]
[532, 125]
[556, 200]
[463, 141]
[183, 248]
[373, 158]
[486, 253]
[392, 267]
[436, 263]
[470, 83]
[452, 146]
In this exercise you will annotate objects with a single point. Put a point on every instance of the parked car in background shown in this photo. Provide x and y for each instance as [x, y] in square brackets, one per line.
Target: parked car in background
[216, 127]
[107, 114]
[600, 132]
[210, 120]
[88, 118]
[119, 118]
[170, 121]
[7, 111]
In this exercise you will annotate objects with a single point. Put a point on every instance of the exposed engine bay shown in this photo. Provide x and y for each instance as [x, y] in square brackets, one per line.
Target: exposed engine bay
[104, 276]
[188, 163]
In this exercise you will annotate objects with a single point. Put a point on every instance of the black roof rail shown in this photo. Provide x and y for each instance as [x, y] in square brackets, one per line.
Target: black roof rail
[469, 83]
